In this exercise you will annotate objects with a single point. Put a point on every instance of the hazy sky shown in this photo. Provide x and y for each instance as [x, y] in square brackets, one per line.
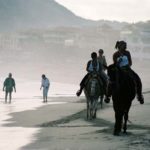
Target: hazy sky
[120, 10]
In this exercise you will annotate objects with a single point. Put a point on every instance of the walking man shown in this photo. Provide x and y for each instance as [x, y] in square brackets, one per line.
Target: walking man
[45, 85]
[9, 85]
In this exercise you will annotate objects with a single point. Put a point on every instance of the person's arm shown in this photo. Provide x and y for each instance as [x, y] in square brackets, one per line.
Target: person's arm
[41, 84]
[15, 88]
[115, 58]
[41, 87]
[130, 59]
[14, 85]
[4, 85]
[104, 63]
[87, 67]
[48, 83]
[100, 67]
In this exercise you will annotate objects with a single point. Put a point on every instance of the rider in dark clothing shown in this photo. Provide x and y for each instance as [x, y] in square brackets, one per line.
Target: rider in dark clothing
[92, 66]
[122, 59]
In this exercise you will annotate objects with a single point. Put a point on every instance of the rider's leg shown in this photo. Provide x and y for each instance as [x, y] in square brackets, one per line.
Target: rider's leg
[82, 84]
[107, 86]
[108, 92]
[105, 80]
[138, 87]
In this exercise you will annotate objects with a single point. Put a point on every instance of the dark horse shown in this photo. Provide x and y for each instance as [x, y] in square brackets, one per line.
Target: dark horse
[93, 91]
[123, 92]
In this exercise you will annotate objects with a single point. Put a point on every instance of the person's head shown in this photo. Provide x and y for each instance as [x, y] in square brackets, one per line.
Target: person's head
[101, 52]
[10, 75]
[94, 55]
[121, 45]
[43, 76]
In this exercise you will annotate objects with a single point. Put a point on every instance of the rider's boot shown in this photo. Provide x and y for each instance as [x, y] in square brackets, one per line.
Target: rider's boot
[79, 91]
[108, 92]
[140, 98]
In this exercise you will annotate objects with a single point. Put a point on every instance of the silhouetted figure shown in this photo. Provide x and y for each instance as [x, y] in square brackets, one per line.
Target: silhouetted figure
[123, 61]
[92, 66]
[45, 85]
[9, 85]
[123, 93]
[101, 58]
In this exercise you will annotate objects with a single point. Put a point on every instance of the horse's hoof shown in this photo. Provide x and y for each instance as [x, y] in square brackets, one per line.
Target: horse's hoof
[116, 133]
[107, 100]
[94, 117]
[124, 131]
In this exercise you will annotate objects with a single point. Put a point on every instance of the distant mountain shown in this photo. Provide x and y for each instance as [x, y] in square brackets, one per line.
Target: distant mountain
[26, 14]
[20, 14]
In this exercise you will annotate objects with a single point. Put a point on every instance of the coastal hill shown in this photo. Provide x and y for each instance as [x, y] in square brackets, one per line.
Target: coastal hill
[20, 14]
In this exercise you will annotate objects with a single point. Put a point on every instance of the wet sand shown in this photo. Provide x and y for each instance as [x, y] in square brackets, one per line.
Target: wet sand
[63, 126]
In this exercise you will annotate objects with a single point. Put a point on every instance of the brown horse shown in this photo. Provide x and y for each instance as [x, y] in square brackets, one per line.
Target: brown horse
[123, 92]
[93, 91]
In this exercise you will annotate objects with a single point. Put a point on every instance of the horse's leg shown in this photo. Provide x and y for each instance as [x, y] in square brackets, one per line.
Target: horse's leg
[126, 118]
[91, 108]
[87, 109]
[101, 101]
[118, 122]
[95, 108]
[125, 122]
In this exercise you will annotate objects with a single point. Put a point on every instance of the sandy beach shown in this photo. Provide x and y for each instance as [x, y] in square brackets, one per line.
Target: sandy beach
[61, 124]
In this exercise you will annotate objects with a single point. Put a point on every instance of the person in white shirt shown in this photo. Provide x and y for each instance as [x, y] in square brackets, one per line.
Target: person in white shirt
[45, 84]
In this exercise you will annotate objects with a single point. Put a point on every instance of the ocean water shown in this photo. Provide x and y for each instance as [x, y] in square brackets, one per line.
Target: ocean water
[27, 97]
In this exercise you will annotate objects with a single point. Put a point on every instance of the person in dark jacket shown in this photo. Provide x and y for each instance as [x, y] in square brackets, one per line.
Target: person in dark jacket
[9, 85]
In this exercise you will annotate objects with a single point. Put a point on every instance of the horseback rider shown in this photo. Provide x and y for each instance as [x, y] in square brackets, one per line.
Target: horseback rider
[122, 60]
[101, 58]
[92, 66]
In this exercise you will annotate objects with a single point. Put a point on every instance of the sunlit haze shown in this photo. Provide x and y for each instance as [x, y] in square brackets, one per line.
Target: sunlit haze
[119, 10]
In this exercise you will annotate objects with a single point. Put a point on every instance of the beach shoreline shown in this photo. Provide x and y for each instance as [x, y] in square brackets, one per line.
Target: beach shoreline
[64, 126]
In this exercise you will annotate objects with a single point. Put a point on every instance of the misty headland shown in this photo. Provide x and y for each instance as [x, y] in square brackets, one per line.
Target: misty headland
[44, 37]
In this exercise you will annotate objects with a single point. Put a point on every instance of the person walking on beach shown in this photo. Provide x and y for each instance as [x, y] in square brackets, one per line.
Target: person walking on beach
[45, 85]
[9, 85]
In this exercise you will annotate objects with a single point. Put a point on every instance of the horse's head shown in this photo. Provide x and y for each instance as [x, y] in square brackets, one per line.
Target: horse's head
[93, 85]
[112, 72]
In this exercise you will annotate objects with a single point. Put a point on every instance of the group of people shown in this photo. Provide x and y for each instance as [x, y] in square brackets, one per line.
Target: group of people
[9, 85]
[122, 60]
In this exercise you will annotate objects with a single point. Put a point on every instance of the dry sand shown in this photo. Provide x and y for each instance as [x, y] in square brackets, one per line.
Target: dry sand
[65, 127]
